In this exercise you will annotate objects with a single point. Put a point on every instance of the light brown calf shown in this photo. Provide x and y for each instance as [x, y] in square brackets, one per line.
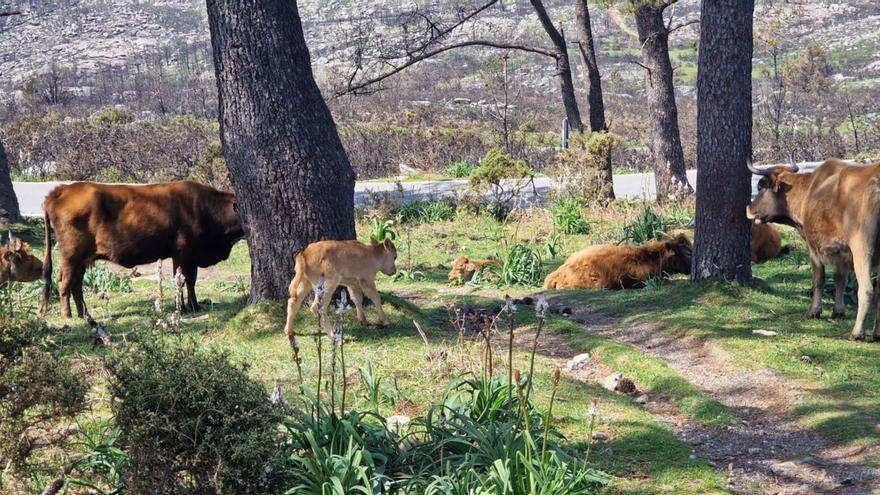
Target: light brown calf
[17, 264]
[766, 243]
[611, 266]
[349, 263]
[463, 269]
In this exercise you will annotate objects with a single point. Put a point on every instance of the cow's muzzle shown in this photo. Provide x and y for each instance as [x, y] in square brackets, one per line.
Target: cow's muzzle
[751, 215]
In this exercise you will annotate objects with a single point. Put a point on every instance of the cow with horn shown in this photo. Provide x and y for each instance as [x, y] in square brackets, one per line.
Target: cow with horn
[836, 208]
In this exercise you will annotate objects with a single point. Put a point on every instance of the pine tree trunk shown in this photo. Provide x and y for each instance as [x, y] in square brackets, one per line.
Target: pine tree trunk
[563, 67]
[597, 102]
[9, 212]
[669, 169]
[290, 173]
[724, 145]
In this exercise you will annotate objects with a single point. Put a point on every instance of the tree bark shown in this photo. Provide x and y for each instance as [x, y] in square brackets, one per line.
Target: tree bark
[724, 144]
[291, 176]
[669, 167]
[597, 102]
[563, 67]
[9, 212]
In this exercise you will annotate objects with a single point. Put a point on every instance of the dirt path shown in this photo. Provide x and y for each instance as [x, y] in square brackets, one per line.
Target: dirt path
[765, 452]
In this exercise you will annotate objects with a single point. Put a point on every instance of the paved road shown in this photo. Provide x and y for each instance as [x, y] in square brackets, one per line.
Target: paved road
[31, 194]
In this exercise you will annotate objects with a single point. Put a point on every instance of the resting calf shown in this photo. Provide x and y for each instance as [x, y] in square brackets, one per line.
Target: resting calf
[349, 263]
[463, 269]
[17, 264]
[621, 267]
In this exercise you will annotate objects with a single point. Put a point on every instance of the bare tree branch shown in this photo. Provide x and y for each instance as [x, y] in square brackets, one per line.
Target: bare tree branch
[357, 88]
[9, 13]
[681, 25]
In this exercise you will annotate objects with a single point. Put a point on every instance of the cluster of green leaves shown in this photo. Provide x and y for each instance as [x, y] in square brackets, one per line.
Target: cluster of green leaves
[382, 229]
[496, 168]
[520, 265]
[460, 170]
[426, 211]
[646, 226]
[102, 279]
[568, 217]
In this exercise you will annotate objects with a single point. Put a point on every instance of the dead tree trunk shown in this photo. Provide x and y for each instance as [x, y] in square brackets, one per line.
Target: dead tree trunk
[9, 212]
[563, 66]
[669, 166]
[597, 102]
[290, 173]
[724, 143]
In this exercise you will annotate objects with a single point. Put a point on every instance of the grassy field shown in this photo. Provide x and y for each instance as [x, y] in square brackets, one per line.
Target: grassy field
[641, 451]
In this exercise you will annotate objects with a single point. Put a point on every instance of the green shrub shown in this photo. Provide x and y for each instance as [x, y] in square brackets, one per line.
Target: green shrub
[496, 168]
[567, 216]
[37, 389]
[460, 170]
[193, 421]
[647, 226]
[426, 211]
[111, 116]
[579, 170]
[520, 265]
[382, 230]
[211, 168]
[102, 279]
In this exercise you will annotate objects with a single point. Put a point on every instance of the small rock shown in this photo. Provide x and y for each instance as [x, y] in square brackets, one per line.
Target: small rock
[599, 436]
[618, 383]
[784, 467]
[754, 450]
[765, 333]
[397, 421]
[578, 362]
[692, 457]
[642, 399]
[807, 359]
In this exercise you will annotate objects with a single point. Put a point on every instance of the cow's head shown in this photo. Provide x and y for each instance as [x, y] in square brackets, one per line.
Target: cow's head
[387, 256]
[234, 229]
[462, 270]
[679, 255]
[17, 264]
[771, 203]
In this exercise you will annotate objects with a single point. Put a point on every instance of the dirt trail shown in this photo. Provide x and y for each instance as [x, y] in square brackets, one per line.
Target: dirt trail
[765, 452]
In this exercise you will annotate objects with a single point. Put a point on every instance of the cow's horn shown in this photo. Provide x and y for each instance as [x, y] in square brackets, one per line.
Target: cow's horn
[755, 170]
[792, 166]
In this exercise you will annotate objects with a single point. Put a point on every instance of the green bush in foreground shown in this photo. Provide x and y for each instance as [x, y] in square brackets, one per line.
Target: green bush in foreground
[567, 216]
[194, 422]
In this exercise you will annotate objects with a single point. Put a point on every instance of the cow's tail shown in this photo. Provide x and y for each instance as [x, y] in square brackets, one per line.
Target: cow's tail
[47, 262]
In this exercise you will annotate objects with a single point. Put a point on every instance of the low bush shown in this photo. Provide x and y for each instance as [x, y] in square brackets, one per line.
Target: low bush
[194, 422]
[460, 170]
[426, 211]
[520, 265]
[505, 178]
[579, 171]
[102, 279]
[568, 217]
[647, 226]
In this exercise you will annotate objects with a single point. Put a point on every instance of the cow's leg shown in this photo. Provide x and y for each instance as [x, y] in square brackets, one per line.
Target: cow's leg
[65, 276]
[192, 274]
[330, 286]
[862, 255]
[876, 335]
[298, 291]
[818, 285]
[357, 297]
[840, 276]
[369, 288]
[76, 288]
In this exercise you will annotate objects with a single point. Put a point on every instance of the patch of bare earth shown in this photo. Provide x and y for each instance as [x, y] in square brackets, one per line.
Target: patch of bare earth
[765, 451]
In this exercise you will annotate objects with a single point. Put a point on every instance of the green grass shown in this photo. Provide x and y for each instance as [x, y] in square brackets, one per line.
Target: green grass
[644, 455]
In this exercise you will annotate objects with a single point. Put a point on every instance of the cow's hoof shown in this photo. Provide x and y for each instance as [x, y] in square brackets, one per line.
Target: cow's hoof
[837, 315]
[812, 314]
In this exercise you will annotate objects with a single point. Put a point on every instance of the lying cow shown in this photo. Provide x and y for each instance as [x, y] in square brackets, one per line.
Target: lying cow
[349, 263]
[463, 269]
[836, 208]
[193, 224]
[621, 267]
[17, 264]
[766, 243]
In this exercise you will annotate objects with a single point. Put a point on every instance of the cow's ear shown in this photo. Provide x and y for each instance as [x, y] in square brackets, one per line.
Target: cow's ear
[388, 243]
[783, 182]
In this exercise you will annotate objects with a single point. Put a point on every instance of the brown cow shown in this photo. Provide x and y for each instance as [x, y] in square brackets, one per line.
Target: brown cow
[463, 269]
[766, 243]
[612, 266]
[349, 263]
[193, 224]
[17, 264]
[836, 208]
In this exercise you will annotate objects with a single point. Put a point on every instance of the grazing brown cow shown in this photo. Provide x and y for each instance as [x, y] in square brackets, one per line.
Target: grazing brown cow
[349, 263]
[766, 243]
[836, 208]
[611, 266]
[463, 269]
[193, 224]
[17, 264]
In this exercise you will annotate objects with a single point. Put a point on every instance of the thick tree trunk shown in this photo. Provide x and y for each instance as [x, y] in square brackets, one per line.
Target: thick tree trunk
[563, 67]
[290, 173]
[669, 167]
[724, 144]
[597, 102]
[9, 212]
